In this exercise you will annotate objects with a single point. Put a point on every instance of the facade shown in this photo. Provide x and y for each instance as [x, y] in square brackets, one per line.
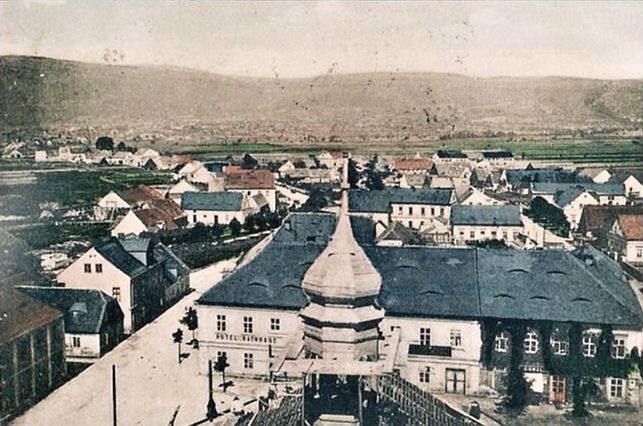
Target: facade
[32, 351]
[135, 197]
[441, 305]
[450, 156]
[215, 207]
[415, 208]
[131, 271]
[93, 320]
[479, 223]
[625, 238]
[498, 158]
[251, 183]
[175, 192]
[479, 198]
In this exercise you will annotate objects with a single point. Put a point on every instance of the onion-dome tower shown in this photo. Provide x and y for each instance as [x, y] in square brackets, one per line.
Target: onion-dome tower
[341, 320]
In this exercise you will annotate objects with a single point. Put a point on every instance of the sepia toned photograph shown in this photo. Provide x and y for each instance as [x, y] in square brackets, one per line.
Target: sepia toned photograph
[321, 213]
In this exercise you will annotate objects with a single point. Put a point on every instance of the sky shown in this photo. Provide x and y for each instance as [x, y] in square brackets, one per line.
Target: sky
[301, 39]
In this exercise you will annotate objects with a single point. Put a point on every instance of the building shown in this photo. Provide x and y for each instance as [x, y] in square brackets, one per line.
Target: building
[501, 158]
[632, 179]
[176, 191]
[135, 272]
[155, 215]
[597, 175]
[32, 351]
[215, 207]
[479, 198]
[450, 156]
[93, 320]
[415, 208]
[595, 221]
[445, 310]
[479, 223]
[625, 238]
[251, 183]
[129, 198]
[520, 180]
[413, 165]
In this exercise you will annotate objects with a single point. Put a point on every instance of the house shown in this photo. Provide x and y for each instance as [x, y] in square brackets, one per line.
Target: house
[215, 207]
[451, 170]
[413, 165]
[121, 158]
[65, 154]
[396, 235]
[625, 238]
[252, 182]
[450, 156]
[484, 177]
[413, 180]
[597, 175]
[595, 221]
[415, 208]
[439, 306]
[129, 198]
[93, 320]
[479, 223]
[135, 222]
[32, 351]
[13, 155]
[312, 175]
[632, 179]
[572, 198]
[40, 156]
[285, 168]
[155, 163]
[479, 198]
[331, 159]
[175, 192]
[498, 158]
[520, 180]
[129, 271]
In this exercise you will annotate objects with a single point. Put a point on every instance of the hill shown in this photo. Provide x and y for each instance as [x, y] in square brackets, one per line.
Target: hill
[180, 103]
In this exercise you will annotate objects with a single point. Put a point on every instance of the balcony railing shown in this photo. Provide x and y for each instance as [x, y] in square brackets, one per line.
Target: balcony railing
[443, 351]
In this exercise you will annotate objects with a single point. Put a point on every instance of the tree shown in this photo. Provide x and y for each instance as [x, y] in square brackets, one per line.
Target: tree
[374, 180]
[316, 201]
[105, 143]
[220, 366]
[249, 162]
[235, 227]
[517, 385]
[548, 215]
[353, 174]
[192, 322]
[249, 223]
[177, 337]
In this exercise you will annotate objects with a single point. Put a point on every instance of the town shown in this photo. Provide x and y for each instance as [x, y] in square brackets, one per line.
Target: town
[458, 254]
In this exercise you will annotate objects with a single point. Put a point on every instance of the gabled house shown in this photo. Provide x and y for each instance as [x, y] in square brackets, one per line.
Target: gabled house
[331, 159]
[520, 180]
[498, 158]
[479, 198]
[450, 156]
[32, 351]
[413, 165]
[479, 223]
[93, 320]
[215, 207]
[415, 208]
[175, 192]
[135, 222]
[632, 179]
[252, 182]
[595, 221]
[128, 270]
[414, 180]
[625, 238]
[597, 175]
[129, 198]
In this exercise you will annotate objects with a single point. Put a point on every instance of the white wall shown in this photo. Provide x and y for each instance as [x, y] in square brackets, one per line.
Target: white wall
[480, 233]
[270, 194]
[89, 347]
[413, 216]
[210, 217]
[130, 224]
[111, 201]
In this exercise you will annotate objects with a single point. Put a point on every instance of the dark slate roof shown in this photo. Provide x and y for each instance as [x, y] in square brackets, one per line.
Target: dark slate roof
[506, 215]
[215, 201]
[464, 283]
[20, 313]
[114, 252]
[93, 307]
[516, 176]
[497, 154]
[135, 244]
[446, 153]
[173, 268]
[599, 188]
[379, 201]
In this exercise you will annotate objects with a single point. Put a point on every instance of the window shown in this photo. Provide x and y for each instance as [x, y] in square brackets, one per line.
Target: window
[504, 235]
[441, 211]
[432, 211]
[502, 342]
[559, 346]
[483, 232]
[220, 322]
[531, 342]
[456, 339]
[88, 268]
[472, 235]
[99, 268]
[410, 211]
[425, 374]
[589, 345]
[275, 324]
[616, 388]
[618, 347]
[425, 336]
[247, 325]
[639, 252]
[410, 224]
[75, 342]
[399, 209]
[423, 211]
[248, 361]
[494, 234]
[116, 293]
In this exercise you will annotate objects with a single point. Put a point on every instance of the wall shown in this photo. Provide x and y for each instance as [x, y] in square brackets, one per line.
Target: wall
[209, 217]
[411, 214]
[462, 233]
[130, 224]
[88, 350]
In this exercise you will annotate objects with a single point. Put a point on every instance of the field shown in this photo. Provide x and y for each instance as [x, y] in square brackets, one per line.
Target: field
[564, 150]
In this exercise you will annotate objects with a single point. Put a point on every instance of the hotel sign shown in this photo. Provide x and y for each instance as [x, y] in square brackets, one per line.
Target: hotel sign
[250, 338]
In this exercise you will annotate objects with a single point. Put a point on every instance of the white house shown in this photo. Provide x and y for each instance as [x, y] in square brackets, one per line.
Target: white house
[625, 237]
[597, 175]
[40, 156]
[135, 222]
[178, 189]
[129, 198]
[251, 183]
[479, 198]
[215, 207]
[479, 223]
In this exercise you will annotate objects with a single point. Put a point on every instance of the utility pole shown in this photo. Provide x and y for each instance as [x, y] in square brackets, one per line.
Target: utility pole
[211, 411]
[114, 394]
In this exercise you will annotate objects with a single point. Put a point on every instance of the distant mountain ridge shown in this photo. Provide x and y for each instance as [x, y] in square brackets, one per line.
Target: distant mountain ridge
[41, 92]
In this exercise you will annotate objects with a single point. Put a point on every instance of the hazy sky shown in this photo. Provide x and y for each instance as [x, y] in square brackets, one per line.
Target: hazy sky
[294, 39]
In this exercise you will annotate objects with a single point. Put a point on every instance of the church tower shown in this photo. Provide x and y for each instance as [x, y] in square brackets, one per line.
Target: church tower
[341, 320]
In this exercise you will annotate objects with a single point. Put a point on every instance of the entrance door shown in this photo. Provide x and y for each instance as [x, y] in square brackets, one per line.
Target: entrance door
[558, 389]
[456, 381]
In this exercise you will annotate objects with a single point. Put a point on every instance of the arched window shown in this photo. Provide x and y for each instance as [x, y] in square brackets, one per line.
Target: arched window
[531, 342]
